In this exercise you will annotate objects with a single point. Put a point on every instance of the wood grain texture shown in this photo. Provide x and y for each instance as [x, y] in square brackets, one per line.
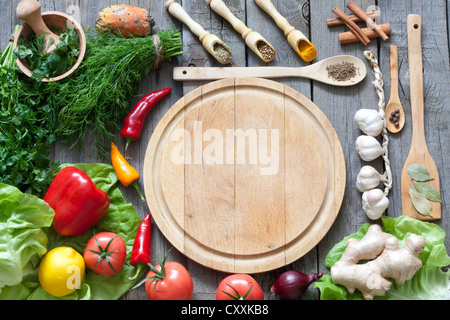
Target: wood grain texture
[419, 153]
[243, 213]
[339, 105]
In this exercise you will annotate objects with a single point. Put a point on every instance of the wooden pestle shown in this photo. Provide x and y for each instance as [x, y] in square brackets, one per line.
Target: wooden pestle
[29, 11]
[296, 38]
[252, 38]
[210, 42]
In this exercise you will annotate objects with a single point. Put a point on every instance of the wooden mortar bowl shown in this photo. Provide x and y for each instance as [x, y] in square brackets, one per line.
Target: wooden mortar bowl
[60, 20]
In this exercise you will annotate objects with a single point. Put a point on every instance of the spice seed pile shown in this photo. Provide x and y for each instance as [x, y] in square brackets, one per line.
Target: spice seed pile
[342, 71]
[266, 51]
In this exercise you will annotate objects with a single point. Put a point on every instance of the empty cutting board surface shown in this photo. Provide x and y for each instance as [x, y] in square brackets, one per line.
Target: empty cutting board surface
[244, 175]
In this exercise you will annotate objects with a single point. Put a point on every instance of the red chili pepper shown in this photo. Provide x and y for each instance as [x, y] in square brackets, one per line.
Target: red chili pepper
[141, 255]
[134, 122]
[77, 202]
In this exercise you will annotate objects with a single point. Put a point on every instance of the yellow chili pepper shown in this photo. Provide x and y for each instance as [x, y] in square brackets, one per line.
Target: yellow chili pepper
[125, 172]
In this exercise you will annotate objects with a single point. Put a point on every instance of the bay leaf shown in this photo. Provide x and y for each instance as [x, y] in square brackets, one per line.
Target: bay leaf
[422, 204]
[427, 190]
[419, 173]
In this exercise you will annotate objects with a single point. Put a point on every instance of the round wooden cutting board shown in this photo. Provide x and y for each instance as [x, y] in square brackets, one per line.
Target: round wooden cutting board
[244, 175]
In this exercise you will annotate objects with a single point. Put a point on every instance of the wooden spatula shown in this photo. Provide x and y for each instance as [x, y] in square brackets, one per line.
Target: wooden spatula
[418, 153]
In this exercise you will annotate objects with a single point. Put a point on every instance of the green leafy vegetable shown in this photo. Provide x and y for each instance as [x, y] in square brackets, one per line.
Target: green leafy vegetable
[121, 218]
[23, 240]
[420, 202]
[430, 282]
[95, 99]
[418, 172]
[26, 130]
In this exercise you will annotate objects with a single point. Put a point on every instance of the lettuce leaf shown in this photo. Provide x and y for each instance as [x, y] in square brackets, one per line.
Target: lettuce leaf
[23, 240]
[121, 218]
[430, 282]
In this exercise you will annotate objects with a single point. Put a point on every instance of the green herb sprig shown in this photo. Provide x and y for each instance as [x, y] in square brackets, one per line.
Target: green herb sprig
[56, 63]
[95, 99]
[26, 130]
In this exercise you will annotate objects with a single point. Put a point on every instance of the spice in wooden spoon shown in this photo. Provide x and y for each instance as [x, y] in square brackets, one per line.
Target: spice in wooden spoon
[394, 109]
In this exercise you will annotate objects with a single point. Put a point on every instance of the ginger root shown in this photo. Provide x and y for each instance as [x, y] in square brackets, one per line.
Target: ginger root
[387, 261]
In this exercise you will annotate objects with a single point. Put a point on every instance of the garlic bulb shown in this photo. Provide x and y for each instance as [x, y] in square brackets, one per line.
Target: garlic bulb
[369, 121]
[367, 179]
[368, 148]
[374, 203]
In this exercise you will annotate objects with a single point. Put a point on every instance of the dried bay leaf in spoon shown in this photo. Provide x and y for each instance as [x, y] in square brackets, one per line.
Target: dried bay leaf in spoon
[427, 190]
[419, 173]
[420, 202]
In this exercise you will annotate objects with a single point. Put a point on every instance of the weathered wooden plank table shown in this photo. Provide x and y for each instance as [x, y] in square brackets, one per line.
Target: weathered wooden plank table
[338, 104]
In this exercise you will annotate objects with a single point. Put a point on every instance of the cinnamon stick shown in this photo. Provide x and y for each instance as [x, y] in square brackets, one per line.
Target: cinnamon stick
[351, 25]
[349, 37]
[332, 22]
[352, 6]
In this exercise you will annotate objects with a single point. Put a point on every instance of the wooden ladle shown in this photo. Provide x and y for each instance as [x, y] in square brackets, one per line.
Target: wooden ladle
[216, 47]
[394, 100]
[418, 153]
[253, 39]
[30, 12]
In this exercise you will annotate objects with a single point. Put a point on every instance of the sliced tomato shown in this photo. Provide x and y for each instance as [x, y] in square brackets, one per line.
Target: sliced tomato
[105, 253]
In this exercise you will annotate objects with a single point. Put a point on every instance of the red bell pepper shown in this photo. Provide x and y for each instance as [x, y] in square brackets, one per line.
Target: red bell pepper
[141, 255]
[77, 202]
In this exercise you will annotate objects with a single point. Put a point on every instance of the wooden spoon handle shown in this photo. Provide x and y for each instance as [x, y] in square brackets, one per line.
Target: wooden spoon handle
[414, 26]
[219, 7]
[178, 12]
[270, 9]
[393, 59]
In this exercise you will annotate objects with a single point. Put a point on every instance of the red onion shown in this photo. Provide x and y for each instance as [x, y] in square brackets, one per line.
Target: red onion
[291, 285]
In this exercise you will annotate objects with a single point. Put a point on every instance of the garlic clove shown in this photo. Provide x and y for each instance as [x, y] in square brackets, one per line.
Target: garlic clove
[374, 203]
[368, 148]
[367, 179]
[369, 121]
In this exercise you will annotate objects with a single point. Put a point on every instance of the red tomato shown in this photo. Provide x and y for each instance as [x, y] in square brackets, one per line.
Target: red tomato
[105, 253]
[239, 287]
[173, 283]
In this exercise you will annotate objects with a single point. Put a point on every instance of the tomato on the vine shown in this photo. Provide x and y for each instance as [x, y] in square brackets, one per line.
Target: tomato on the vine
[169, 281]
[239, 287]
[105, 253]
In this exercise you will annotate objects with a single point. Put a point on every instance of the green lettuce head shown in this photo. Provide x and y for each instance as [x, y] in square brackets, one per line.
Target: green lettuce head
[23, 240]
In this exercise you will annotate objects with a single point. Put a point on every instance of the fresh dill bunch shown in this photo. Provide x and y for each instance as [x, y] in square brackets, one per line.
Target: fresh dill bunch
[95, 99]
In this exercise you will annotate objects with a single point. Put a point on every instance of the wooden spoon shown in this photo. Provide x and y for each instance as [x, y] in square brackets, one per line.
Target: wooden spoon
[317, 71]
[418, 153]
[297, 40]
[394, 100]
[30, 12]
[216, 47]
[253, 39]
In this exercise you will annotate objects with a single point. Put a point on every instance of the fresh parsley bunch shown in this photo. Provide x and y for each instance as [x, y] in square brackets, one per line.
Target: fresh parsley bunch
[26, 131]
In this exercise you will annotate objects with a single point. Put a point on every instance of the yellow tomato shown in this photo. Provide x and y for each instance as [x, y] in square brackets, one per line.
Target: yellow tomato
[61, 271]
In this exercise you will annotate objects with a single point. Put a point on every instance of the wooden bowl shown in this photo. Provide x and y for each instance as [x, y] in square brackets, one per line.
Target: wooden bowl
[60, 20]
